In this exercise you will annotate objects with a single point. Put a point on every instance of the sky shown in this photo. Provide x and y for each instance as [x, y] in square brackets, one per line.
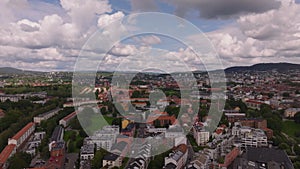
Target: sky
[49, 35]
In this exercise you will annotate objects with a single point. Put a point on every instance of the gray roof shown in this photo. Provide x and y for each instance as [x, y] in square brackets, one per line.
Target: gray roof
[266, 155]
[119, 146]
[110, 157]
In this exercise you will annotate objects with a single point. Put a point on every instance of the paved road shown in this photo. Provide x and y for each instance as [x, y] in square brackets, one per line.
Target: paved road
[72, 158]
[191, 152]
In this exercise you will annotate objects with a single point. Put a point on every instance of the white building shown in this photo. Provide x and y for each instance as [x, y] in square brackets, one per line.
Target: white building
[248, 136]
[87, 152]
[19, 138]
[104, 138]
[174, 131]
[38, 119]
[255, 138]
[112, 160]
[66, 120]
[291, 112]
[201, 135]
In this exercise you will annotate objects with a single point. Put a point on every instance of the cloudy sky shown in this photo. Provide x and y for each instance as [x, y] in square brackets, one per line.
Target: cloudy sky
[49, 34]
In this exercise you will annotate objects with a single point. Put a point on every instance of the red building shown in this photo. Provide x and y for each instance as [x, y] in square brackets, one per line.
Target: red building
[66, 120]
[230, 157]
[257, 123]
[162, 117]
[21, 137]
[7, 152]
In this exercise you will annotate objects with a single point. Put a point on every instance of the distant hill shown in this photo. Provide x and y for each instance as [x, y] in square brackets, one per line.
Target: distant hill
[281, 67]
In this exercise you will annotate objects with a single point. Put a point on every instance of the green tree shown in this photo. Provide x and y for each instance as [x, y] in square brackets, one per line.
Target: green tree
[297, 117]
[20, 160]
[97, 94]
[97, 161]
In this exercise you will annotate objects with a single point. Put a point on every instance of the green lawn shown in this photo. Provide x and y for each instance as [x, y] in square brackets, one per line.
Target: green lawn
[97, 122]
[290, 128]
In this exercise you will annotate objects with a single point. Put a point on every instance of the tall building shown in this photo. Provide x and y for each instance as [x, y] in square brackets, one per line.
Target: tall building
[200, 134]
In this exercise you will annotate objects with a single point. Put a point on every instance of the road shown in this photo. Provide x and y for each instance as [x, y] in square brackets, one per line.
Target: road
[71, 159]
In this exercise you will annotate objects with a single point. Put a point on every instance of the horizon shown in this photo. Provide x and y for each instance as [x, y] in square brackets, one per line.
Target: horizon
[68, 71]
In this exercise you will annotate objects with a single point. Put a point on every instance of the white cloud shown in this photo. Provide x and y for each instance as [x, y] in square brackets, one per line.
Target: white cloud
[272, 36]
[149, 40]
[106, 19]
[42, 36]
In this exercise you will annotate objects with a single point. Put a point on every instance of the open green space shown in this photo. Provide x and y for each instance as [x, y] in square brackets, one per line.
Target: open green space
[290, 128]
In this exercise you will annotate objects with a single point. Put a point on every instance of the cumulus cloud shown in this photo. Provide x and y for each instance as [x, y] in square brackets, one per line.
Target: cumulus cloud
[264, 31]
[47, 37]
[106, 19]
[272, 36]
[149, 40]
[82, 12]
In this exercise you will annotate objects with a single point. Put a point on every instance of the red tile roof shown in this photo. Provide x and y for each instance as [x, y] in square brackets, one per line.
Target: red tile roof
[23, 131]
[5, 154]
[70, 116]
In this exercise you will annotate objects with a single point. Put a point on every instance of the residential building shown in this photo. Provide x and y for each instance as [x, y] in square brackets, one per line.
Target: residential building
[87, 152]
[66, 120]
[291, 112]
[263, 158]
[254, 104]
[6, 153]
[161, 119]
[230, 157]
[254, 138]
[177, 158]
[104, 138]
[38, 119]
[200, 134]
[22, 136]
[233, 117]
[202, 161]
[111, 160]
[57, 136]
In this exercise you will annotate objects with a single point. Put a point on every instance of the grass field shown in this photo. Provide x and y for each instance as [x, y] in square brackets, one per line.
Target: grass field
[290, 128]
[98, 121]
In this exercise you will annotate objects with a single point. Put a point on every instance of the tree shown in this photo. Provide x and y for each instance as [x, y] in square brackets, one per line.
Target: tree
[97, 161]
[297, 117]
[265, 110]
[252, 113]
[96, 94]
[20, 160]
[297, 149]
[103, 111]
[285, 94]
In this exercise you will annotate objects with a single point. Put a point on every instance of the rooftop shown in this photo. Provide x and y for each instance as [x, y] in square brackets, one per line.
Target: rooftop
[5, 154]
[57, 133]
[23, 131]
[110, 157]
[264, 155]
[70, 116]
